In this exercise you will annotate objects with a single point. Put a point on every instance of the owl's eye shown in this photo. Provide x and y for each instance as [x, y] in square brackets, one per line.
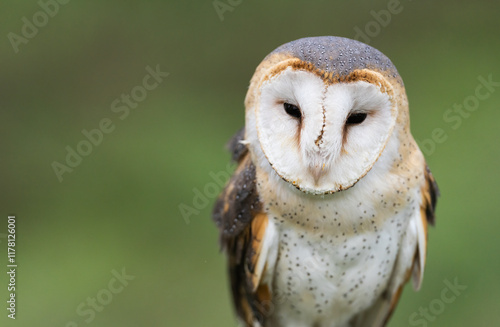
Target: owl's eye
[292, 110]
[356, 118]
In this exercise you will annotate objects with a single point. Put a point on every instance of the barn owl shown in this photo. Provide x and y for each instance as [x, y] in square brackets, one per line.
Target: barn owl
[325, 217]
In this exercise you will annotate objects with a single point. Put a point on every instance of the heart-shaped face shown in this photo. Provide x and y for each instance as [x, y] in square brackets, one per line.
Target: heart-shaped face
[323, 136]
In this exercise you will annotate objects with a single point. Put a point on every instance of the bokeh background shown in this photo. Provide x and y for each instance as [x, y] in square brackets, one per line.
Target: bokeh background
[119, 208]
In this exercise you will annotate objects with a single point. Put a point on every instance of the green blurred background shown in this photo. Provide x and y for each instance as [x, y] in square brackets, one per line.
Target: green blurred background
[120, 207]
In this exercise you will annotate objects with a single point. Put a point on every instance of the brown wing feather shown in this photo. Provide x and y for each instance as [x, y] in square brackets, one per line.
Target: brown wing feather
[431, 193]
[242, 224]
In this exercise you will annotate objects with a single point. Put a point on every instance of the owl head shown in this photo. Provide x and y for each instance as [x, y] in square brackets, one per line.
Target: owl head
[320, 112]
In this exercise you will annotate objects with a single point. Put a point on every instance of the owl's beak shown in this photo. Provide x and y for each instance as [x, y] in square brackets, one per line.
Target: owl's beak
[317, 172]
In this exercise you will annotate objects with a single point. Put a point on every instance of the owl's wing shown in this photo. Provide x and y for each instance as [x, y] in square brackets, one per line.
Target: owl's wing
[430, 193]
[410, 261]
[247, 237]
